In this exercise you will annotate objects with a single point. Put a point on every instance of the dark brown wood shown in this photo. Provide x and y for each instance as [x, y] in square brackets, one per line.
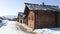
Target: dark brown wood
[56, 16]
[41, 19]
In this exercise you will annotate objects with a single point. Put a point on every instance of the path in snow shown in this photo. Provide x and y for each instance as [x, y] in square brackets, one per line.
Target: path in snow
[10, 27]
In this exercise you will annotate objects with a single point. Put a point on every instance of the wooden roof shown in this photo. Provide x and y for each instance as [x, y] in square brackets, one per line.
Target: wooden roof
[42, 7]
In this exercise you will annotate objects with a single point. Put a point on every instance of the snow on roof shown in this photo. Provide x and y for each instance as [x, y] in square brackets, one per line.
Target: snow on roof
[42, 7]
[20, 14]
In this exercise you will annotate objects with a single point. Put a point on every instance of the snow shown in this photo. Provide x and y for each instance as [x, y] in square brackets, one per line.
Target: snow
[47, 31]
[10, 27]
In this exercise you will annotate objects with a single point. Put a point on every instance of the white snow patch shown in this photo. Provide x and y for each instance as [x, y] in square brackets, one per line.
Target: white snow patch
[10, 28]
[47, 31]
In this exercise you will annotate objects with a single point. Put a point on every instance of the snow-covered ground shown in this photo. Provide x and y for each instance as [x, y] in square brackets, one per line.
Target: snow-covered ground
[10, 27]
[47, 31]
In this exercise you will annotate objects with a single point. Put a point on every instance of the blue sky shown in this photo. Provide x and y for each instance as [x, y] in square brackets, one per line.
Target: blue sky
[12, 7]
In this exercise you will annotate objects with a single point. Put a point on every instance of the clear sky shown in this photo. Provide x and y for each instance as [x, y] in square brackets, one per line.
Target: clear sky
[12, 7]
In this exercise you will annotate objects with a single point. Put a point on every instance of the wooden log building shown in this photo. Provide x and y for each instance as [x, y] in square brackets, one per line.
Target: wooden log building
[20, 15]
[41, 16]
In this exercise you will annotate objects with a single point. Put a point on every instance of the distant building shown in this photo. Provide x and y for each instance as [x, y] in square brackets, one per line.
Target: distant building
[41, 16]
[20, 15]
